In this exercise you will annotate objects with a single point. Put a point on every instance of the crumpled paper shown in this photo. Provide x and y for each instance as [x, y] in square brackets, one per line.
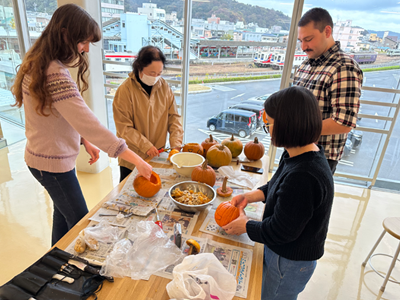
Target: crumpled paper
[237, 177]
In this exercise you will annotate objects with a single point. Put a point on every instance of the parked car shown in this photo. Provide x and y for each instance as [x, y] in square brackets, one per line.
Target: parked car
[354, 140]
[355, 136]
[254, 102]
[258, 110]
[236, 121]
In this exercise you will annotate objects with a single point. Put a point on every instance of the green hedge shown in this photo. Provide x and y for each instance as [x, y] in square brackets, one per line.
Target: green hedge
[225, 79]
[381, 69]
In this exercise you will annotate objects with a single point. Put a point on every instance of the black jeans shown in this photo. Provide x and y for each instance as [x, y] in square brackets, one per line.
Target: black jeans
[124, 172]
[68, 201]
[332, 165]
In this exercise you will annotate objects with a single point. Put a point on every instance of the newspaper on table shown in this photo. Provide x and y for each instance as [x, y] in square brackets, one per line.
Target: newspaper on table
[235, 259]
[168, 219]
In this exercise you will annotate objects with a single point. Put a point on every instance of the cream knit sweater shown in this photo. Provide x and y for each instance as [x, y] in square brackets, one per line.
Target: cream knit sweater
[53, 142]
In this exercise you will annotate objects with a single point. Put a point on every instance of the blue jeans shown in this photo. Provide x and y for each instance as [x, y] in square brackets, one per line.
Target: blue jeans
[284, 279]
[68, 201]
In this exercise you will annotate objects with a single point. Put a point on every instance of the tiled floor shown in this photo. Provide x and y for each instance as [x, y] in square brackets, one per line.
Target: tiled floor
[26, 214]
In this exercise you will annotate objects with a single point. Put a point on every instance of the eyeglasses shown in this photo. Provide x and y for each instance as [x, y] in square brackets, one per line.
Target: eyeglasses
[266, 127]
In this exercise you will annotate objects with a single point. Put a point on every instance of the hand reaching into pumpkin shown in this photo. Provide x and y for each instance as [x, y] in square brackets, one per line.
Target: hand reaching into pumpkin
[237, 226]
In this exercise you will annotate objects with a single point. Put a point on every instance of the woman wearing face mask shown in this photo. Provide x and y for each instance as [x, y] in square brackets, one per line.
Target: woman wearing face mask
[145, 109]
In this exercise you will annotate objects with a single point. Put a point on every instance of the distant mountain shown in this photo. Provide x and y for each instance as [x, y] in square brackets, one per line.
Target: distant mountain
[381, 33]
[229, 10]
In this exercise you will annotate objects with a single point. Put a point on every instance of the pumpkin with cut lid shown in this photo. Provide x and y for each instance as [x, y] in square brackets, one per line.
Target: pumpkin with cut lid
[147, 188]
[226, 213]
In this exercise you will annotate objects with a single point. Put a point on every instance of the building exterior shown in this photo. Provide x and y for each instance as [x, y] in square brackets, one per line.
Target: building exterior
[111, 9]
[391, 42]
[349, 36]
[213, 19]
[152, 12]
[252, 36]
[269, 37]
[237, 35]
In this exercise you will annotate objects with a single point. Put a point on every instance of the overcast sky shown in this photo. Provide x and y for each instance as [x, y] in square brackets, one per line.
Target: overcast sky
[377, 15]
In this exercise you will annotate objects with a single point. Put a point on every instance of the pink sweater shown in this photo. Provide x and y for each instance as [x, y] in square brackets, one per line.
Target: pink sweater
[53, 142]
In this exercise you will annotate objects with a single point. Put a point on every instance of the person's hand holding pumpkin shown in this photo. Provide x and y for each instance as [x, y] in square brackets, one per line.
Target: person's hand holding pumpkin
[239, 201]
[237, 226]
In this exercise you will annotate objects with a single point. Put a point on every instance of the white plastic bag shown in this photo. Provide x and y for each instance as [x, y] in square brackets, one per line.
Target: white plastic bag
[202, 276]
[146, 251]
[102, 232]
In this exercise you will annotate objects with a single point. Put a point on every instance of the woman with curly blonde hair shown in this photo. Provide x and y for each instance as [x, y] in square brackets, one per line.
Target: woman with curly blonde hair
[57, 120]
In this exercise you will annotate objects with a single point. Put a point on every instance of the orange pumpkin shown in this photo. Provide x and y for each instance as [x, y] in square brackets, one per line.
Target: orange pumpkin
[207, 144]
[254, 150]
[147, 188]
[235, 145]
[219, 155]
[204, 174]
[193, 147]
[224, 190]
[173, 151]
[226, 213]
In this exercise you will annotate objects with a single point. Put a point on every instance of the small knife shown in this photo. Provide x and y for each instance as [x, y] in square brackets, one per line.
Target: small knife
[178, 235]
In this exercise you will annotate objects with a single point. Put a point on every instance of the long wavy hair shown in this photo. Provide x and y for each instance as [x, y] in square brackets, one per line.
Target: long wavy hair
[69, 26]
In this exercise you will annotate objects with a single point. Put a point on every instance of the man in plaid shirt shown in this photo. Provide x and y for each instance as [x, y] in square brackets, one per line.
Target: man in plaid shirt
[334, 78]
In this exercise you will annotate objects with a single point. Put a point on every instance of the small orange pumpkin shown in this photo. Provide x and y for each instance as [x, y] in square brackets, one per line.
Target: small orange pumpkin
[226, 213]
[219, 155]
[235, 145]
[224, 190]
[204, 174]
[207, 144]
[254, 150]
[173, 151]
[147, 188]
[193, 147]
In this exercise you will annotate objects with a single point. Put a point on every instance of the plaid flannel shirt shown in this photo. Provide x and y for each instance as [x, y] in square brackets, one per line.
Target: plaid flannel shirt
[335, 80]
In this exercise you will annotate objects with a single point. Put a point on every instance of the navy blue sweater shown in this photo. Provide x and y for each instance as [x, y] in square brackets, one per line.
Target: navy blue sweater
[298, 202]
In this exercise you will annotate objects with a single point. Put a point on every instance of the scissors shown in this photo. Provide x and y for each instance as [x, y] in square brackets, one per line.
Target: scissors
[164, 150]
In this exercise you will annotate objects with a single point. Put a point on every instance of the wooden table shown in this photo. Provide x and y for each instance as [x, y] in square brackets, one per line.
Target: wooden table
[155, 287]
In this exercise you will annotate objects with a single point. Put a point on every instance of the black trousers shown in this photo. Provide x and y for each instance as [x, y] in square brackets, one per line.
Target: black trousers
[124, 172]
[333, 163]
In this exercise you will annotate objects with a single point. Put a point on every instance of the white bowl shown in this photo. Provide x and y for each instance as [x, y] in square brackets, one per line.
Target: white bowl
[185, 162]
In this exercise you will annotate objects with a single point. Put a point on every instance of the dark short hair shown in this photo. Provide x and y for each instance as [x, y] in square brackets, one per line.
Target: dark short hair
[297, 117]
[319, 16]
[146, 56]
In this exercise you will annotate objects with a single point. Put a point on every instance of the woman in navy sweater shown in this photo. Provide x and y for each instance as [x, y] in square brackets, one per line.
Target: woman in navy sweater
[298, 198]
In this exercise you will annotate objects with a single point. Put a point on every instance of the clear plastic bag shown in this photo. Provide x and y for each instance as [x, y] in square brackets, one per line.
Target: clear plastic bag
[102, 232]
[150, 251]
[201, 276]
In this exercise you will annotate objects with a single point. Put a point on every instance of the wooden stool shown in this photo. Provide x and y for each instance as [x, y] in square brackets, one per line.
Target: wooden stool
[392, 226]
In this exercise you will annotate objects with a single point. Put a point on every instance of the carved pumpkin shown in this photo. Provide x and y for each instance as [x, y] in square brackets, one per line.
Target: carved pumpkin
[226, 213]
[147, 188]
[193, 147]
[204, 174]
[173, 151]
[254, 150]
[235, 145]
[207, 144]
[224, 190]
[219, 155]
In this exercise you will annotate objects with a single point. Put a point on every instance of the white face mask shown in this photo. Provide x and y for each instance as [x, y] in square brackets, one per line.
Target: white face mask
[149, 80]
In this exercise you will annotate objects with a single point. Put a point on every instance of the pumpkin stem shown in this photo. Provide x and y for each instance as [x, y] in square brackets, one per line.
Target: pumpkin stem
[224, 184]
[204, 165]
[211, 139]
[221, 147]
[232, 138]
[255, 140]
